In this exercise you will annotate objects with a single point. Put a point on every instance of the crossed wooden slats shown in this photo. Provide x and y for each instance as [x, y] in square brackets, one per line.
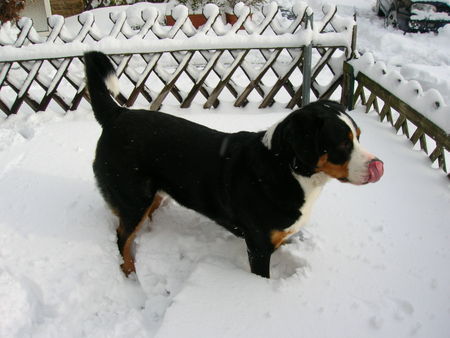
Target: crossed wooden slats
[49, 87]
[210, 67]
[183, 67]
[215, 63]
[32, 76]
[270, 60]
[400, 115]
[238, 60]
[25, 27]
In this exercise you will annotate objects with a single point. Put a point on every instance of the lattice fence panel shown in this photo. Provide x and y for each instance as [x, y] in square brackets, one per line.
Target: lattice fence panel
[265, 62]
[424, 134]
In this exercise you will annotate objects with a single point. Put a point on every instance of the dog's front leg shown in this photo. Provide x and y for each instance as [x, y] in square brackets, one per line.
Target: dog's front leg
[260, 263]
[259, 257]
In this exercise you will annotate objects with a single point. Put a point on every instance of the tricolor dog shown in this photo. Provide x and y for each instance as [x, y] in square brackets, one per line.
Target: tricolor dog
[260, 186]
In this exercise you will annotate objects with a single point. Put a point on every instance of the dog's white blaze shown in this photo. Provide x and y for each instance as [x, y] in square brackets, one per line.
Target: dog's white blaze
[112, 84]
[358, 165]
[267, 138]
[312, 186]
[359, 159]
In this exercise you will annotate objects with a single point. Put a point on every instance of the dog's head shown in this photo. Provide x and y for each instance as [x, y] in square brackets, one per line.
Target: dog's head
[321, 137]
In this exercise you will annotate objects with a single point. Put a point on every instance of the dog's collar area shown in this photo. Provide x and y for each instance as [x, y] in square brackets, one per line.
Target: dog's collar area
[294, 166]
[299, 169]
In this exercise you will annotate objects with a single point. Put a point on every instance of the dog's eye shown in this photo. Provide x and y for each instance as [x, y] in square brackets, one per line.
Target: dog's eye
[346, 145]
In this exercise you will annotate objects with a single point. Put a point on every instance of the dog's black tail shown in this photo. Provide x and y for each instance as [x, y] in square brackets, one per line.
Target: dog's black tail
[102, 82]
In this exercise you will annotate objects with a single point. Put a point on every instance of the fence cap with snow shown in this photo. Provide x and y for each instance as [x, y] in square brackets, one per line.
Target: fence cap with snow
[190, 63]
[429, 103]
[153, 37]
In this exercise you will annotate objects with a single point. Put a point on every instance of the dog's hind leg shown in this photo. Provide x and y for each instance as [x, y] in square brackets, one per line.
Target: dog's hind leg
[157, 201]
[131, 221]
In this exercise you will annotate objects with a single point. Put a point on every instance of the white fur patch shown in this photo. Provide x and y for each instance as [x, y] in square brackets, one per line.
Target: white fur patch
[312, 186]
[112, 84]
[359, 159]
[348, 122]
[267, 138]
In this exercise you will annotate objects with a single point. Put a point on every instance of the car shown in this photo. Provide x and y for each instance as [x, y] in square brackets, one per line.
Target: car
[414, 15]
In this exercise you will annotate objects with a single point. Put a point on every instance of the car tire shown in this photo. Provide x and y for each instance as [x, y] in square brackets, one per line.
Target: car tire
[391, 18]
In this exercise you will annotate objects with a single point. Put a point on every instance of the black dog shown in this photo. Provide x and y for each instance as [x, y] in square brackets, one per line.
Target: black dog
[260, 186]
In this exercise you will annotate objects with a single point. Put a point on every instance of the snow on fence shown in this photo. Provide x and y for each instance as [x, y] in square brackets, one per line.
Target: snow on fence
[158, 64]
[422, 116]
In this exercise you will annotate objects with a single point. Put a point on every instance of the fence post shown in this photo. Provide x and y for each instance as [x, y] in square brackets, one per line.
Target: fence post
[307, 61]
[348, 86]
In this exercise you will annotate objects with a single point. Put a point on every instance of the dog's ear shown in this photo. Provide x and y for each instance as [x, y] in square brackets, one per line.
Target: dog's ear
[302, 135]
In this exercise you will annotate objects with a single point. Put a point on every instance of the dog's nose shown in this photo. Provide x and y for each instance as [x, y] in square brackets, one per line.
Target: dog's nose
[376, 170]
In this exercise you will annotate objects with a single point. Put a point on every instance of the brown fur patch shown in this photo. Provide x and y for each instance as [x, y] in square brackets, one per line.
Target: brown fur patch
[115, 212]
[350, 136]
[127, 255]
[157, 200]
[331, 169]
[278, 237]
[128, 259]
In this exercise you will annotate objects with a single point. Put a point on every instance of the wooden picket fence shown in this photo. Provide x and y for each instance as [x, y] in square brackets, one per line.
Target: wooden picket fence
[420, 130]
[157, 64]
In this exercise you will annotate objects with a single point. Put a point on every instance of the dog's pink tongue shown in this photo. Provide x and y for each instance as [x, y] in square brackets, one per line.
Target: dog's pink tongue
[376, 170]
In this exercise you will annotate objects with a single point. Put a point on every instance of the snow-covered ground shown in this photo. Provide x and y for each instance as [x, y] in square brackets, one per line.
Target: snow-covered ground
[373, 260]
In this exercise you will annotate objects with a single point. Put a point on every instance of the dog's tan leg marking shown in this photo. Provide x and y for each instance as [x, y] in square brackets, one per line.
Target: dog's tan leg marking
[277, 237]
[128, 259]
[157, 201]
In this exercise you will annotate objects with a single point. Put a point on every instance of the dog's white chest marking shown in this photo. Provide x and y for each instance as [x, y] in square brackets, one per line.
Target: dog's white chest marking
[312, 186]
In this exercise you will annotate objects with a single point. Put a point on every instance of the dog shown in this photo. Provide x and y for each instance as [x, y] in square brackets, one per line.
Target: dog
[261, 186]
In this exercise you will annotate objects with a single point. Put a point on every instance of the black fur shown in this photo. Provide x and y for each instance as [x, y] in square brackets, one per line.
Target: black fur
[234, 179]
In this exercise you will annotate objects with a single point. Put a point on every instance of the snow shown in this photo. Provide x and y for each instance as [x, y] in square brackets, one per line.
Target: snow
[427, 15]
[8, 33]
[447, 2]
[138, 44]
[423, 57]
[429, 103]
[371, 262]
[401, 51]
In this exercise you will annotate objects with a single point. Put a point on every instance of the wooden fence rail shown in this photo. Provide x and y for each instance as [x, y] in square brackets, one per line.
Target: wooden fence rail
[420, 130]
[180, 65]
